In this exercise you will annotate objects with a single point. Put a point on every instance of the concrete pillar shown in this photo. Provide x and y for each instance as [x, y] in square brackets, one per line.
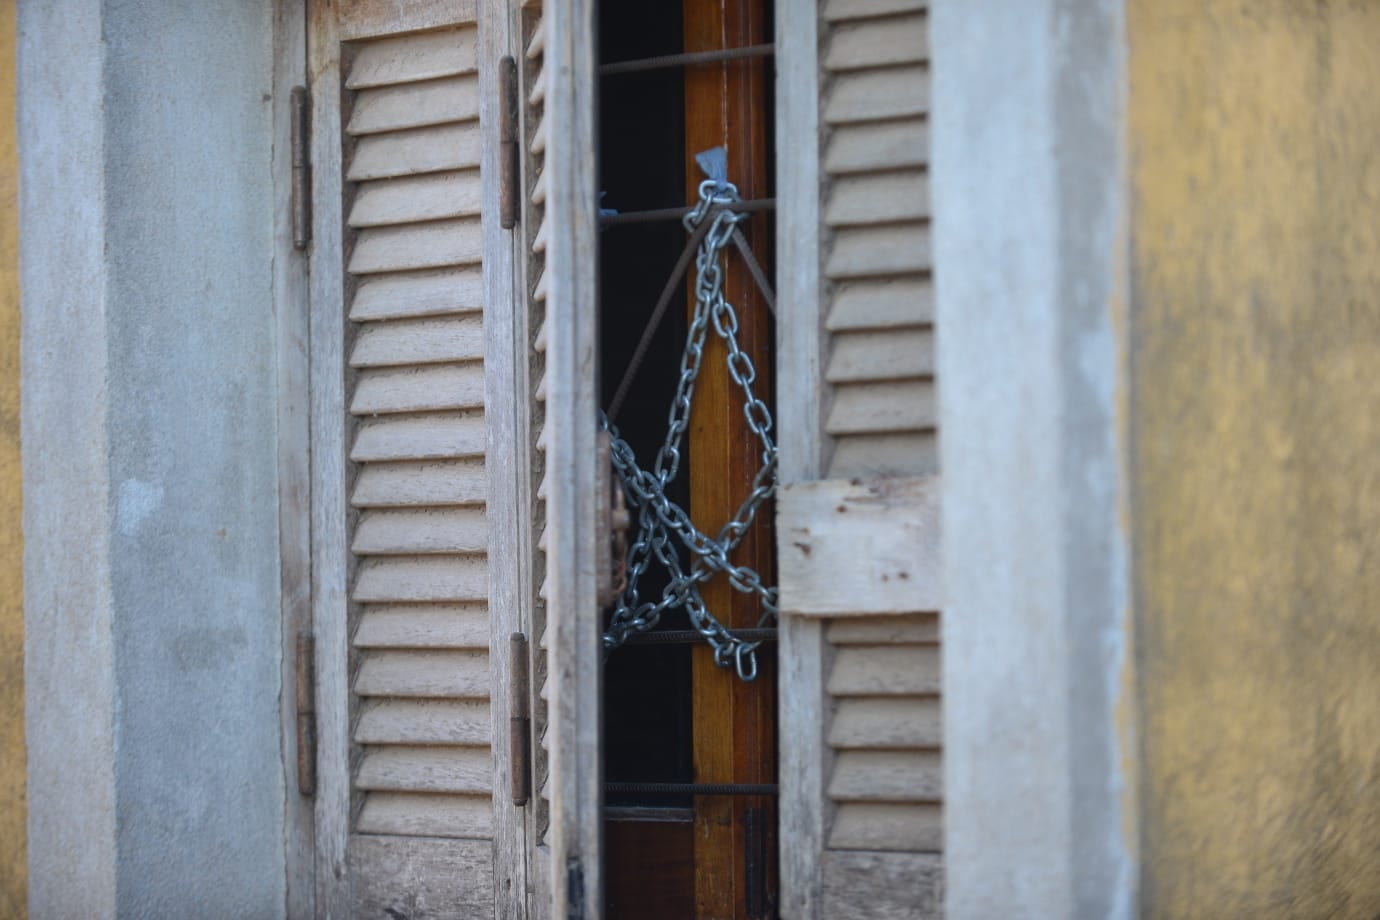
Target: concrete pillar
[1029, 193]
[152, 625]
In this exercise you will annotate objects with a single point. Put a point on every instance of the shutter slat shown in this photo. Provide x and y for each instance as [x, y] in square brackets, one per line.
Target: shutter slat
[422, 627]
[890, 355]
[909, 453]
[399, 296]
[878, 198]
[409, 58]
[409, 153]
[882, 304]
[835, 10]
[409, 199]
[393, 485]
[426, 769]
[455, 675]
[415, 105]
[874, 408]
[422, 437]
[419, 389]
[464, 722]
[431, 245]
[419, 341]
[860, 252]
[878, 43]
[868, 722]
[887, 776]
[427, 532]
[427, 815]
[875, 146]
[435, 580]
[916, 629]
[878, 95]
[891, 826]
[903, 670]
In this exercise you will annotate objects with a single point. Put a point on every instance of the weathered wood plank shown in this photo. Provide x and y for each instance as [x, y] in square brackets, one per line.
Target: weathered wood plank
[450, 722]
[878, 95]
[399, 296]
[408, 153]
[836, 10]
[912, 453]
[878, 43]
[417, 877]
[887, 776]
[394, 485]
[882, 304]
[415, 105]
[409, 199]
[887, 529]
[876, 408]
[397, 768]
[431, 388]
[873, 146]
[900, 670]
[421, 532]
[917, 827]
[375, 18]
[451, 674]
[423, 626]
[896, 249]
[439, 579]
[878, 198]
[418, 341]
[409, 58]
[899, 886]
[420, 816]
[893, 354]
[441, 436]
[431, 245]
[916, 629]
[882, 723]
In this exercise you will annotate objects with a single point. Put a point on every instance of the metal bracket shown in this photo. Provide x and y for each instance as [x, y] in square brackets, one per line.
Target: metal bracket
[508, 176]
[306, 714]
[519, 720]
[301, 168]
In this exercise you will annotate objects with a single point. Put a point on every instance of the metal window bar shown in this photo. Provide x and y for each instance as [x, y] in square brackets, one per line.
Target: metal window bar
[687, 59]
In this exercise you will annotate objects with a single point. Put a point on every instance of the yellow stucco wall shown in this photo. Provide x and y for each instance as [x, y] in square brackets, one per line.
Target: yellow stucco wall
[1255, 158]
[13, 873]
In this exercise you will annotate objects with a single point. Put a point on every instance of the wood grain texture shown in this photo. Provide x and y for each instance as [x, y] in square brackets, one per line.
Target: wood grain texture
[385, 18]
[408, 58]
[403, 389]
[419, 878]
[431, 196]
[414, 105]
[897, 886]
[409, 484]
[400, 295]
[886, 530]
[409, 153]
[904, 827]
[415, 814]
[836, 10]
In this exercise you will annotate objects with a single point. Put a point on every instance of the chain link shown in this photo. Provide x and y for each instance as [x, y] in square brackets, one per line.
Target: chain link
[663, 527]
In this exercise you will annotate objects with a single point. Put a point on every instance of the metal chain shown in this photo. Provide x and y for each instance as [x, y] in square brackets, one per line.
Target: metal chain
[663, 527]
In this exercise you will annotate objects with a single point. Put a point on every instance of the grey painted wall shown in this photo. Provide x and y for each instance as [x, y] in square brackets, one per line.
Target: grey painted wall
[1028, 181]
[152, 581]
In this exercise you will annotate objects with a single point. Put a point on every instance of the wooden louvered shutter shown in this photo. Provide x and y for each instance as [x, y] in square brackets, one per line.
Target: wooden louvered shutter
[858, 514]
[402, 298]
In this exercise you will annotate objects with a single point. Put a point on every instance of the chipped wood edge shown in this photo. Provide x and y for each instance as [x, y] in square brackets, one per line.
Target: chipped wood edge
[576, 833]
[291, 303]
[506, 466]
[329, 550]
[800, 410]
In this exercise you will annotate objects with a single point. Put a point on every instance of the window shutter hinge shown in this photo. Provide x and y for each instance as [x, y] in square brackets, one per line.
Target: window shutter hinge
[301, 168]
[519, 720]
[508, 143]
[574, 890]
[306, 714]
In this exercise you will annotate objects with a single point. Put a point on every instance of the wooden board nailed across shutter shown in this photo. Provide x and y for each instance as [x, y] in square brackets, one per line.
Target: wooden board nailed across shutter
[879, 296]
[421, 688]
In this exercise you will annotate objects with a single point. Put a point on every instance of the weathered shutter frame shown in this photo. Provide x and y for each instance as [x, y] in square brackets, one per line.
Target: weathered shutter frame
[802, 748]
[576, 829]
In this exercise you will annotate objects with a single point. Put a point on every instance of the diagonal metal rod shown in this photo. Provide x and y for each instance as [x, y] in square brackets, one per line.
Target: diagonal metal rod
[654, 323]
[693, 636]
[688, 59]
[690, 788]
[755, 269]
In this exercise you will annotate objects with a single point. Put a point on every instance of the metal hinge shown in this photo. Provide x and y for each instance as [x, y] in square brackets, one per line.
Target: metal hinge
[301, 167]
[519, 720]
[508, 180]
[306, 714]
[574, 890]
